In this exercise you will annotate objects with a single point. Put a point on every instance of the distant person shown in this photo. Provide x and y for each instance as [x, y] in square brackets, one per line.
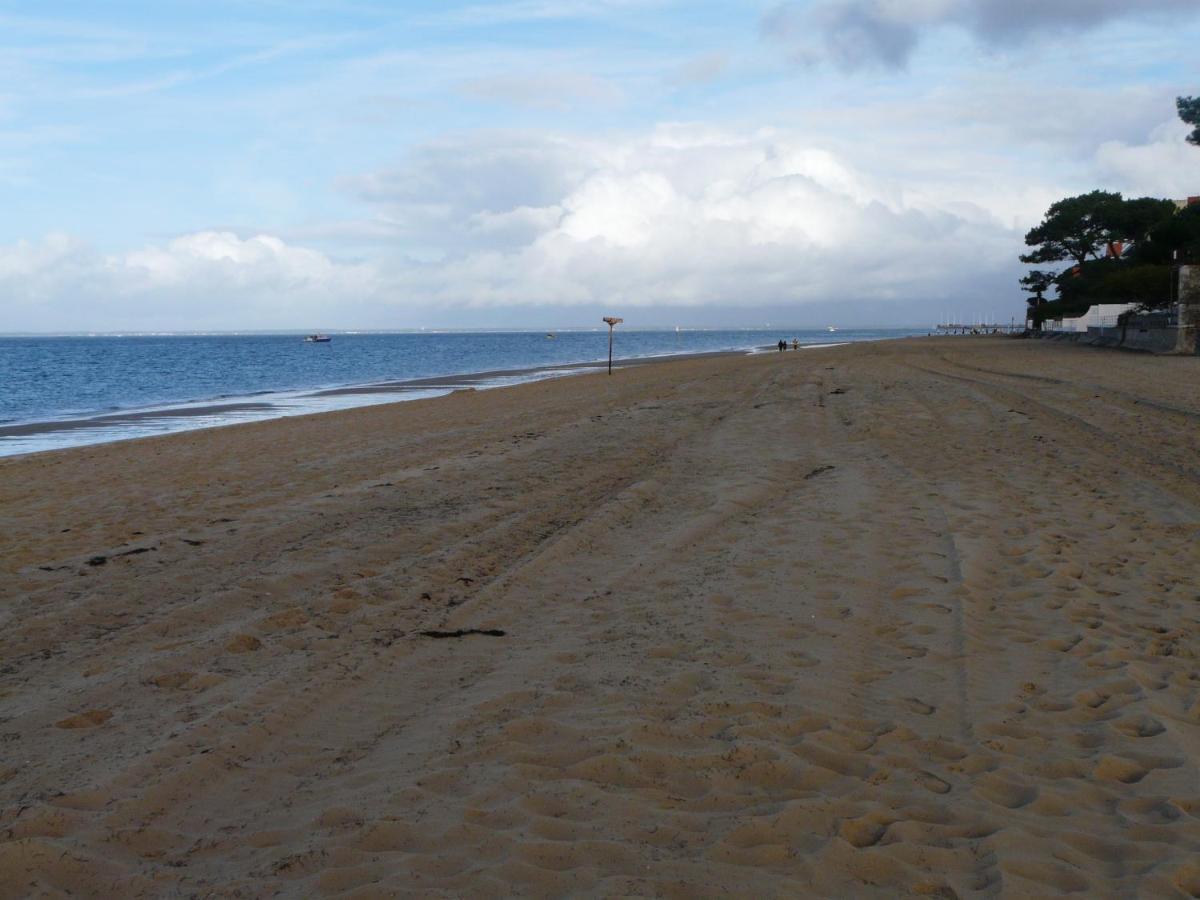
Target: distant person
[782, 345]
[795, 344]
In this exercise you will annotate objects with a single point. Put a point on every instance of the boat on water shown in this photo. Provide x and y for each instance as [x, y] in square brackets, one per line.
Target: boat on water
[317, 339]
[831, 329]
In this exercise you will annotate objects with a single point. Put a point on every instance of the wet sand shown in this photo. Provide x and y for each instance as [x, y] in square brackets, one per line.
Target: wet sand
[218, 409]
[917, 617]
[479, 379]
[109, 420]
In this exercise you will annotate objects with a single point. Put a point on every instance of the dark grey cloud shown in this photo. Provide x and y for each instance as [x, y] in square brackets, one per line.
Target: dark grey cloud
[851, 34]
[1007, 21]
[854, 34]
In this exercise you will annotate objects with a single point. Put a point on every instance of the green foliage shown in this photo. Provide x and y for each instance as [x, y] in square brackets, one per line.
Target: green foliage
[1037, 282]
[1081, 228]
[1175, 239]
[1081, 286]
[1051, 309]
[1113, 281]
[1189, 111]
[1076, 228]
[1132, 220]
[1148, 285]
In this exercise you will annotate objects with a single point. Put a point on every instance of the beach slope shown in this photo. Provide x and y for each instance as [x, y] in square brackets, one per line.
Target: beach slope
[909, 617]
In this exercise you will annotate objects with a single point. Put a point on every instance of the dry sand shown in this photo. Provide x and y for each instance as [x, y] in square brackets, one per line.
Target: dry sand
[906, 618]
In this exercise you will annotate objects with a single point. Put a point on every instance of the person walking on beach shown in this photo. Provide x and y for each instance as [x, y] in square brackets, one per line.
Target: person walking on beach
[795, 344]
[782, 345]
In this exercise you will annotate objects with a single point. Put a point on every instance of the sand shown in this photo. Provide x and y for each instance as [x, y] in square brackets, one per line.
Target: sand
[914, 618]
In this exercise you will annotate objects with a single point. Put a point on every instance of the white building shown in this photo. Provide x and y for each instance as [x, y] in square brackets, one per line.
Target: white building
[1101, 315]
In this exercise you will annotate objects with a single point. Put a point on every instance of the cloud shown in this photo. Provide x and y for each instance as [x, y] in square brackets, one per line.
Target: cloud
[482, 226]
[676, 217]
[682, 216]
[856, 31]
[854, 34]
[206, 279]
[1163, 166]
[460, 193]
[1004, 21]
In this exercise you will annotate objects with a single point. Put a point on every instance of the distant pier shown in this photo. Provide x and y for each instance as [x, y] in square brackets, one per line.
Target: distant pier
[1012, 327]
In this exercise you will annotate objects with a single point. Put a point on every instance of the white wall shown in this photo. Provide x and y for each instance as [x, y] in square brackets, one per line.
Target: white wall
[1100, 315]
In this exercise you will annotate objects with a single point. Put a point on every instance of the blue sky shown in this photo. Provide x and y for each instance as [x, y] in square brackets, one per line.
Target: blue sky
[185, 115]
[263, 164]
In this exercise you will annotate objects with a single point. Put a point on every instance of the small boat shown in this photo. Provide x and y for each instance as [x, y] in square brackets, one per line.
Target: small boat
[317, 339]
[551, 336]
[831, 329]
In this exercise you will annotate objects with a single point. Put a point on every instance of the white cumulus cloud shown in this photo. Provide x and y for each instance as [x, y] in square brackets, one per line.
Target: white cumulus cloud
[676, 217]
[682, 216]
[209, 279]
[1163, 166]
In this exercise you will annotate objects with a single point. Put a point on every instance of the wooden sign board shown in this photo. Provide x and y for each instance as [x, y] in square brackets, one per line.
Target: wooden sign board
[613, 320]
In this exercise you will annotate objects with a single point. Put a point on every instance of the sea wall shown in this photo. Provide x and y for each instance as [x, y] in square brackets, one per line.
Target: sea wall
[1189, 311]
[1147, 336]
[1162, 331]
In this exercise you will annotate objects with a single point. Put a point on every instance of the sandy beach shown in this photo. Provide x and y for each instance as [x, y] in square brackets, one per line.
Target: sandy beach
[908, 618]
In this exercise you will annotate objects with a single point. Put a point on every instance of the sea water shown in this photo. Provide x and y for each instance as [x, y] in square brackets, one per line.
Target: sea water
[59, 391]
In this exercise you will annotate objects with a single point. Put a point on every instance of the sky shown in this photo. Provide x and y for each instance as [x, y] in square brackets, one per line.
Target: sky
[344, 164]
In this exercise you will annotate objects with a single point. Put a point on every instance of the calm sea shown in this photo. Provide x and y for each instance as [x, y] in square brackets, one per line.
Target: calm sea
[67, 391]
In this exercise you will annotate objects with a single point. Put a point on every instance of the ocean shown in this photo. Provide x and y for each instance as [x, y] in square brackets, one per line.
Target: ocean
[75, 390]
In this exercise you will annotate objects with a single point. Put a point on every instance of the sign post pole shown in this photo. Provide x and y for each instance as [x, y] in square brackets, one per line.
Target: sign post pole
[612, 321]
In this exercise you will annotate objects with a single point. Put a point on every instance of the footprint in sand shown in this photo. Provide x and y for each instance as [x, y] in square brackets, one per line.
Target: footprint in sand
[1140, 726]
[919, 707]
[931, 782]
[172, 680]
[287, 620]
[1152, 810]
[339, 817]
[244, 643]
[89, 719]
[1116, 768]
[1187, 879]
[1005, 793]
[862, 832]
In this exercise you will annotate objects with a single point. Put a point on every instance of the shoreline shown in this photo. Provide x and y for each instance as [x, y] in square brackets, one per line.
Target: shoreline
[184, 416]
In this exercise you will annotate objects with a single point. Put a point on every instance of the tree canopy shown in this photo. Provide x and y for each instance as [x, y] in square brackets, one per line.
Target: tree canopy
[1075, 228]
[1082, 228]
[1114, 281]
[1189, 111]
[1037, 283]
[1175, 239]
[1131, 221]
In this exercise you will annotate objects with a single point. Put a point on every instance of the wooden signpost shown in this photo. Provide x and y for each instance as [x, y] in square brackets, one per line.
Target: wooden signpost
[611, 320]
